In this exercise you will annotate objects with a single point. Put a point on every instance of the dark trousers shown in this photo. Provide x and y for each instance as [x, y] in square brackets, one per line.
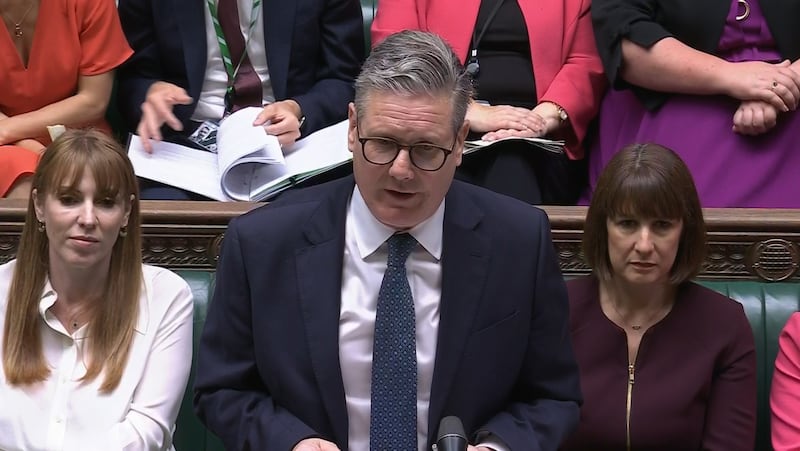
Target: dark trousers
[151, 190]
[525, 172]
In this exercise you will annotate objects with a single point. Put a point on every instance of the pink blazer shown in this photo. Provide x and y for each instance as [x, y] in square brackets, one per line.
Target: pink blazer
[566, 65]
[784, 398]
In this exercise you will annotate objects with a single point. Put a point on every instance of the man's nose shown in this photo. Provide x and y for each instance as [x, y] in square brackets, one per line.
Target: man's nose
[402, 168]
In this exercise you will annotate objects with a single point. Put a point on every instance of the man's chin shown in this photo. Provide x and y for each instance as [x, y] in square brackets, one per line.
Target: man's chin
[399, 218]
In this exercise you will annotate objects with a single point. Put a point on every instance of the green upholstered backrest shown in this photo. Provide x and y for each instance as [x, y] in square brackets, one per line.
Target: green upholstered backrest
[190, 434]
[768, 307]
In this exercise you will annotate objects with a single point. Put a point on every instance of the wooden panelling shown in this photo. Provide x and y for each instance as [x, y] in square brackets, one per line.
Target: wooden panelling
[742, 243]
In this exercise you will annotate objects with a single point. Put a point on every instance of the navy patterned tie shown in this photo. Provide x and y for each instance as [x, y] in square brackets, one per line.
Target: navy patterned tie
[393, 424]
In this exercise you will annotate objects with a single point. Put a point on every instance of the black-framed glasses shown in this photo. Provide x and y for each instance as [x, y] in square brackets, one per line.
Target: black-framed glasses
[383, 151]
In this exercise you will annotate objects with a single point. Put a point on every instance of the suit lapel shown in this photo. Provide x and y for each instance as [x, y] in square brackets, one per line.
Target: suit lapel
[454, 19]
[279, 18]
[465, 260]
[542, 18]
[319, 276]
[190, 15]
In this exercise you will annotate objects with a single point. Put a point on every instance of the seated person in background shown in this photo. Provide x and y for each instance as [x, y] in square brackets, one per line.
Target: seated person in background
[665, 363]
[718, 82]
[96, 346]
[299, 60]
[66, 78]
[784, 396]
[536, 65]
[388, 300]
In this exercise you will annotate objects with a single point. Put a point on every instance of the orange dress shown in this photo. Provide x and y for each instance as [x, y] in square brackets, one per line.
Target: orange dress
[71, 38]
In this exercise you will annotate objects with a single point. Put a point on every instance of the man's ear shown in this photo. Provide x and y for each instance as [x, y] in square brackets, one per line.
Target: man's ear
[458, 152]
[352, 130]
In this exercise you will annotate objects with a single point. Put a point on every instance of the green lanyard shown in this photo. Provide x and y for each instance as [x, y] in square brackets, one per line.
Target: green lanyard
[223, 44]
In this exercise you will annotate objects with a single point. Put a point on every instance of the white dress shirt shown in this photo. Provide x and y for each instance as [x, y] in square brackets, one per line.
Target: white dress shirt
[64, 414]
[365, 255]
[211, 104]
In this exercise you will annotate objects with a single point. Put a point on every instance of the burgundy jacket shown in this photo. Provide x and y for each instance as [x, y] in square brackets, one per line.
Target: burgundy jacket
[694, 380]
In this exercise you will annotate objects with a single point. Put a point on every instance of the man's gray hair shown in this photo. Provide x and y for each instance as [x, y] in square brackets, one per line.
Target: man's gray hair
[411, 63]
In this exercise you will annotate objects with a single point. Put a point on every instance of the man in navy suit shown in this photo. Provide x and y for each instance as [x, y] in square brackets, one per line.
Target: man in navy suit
[290, 348]
[305, 54]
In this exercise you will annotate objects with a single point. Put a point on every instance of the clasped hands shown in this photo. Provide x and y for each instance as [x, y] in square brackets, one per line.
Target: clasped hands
[281, 119]
[505, 121]
[765, 90]
[317, 444]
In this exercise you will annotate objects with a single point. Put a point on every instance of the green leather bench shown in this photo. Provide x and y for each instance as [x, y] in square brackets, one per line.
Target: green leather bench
[190, 434]
[768, 306]
[754, 257]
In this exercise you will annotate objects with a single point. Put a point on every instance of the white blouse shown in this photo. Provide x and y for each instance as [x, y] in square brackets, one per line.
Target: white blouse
[63, 414]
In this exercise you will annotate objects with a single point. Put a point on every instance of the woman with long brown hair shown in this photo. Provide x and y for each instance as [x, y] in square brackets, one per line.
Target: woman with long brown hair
[96, 347]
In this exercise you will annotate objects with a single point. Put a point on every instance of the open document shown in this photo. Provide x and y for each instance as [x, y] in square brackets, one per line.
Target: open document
[249, 164]
[545, 144]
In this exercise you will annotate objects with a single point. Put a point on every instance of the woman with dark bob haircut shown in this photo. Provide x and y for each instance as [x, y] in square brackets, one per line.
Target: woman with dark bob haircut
[638, 318]
[96, 347]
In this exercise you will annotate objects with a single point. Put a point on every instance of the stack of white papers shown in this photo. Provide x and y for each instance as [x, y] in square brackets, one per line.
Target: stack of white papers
[249, 163]
[548, 145]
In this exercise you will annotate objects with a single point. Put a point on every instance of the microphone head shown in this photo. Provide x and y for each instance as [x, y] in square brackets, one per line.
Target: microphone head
[451, 436]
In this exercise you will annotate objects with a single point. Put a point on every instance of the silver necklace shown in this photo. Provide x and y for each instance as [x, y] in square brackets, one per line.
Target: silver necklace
[18, 25]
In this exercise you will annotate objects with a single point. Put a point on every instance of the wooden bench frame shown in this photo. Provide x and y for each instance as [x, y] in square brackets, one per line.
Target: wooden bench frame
[755, 244]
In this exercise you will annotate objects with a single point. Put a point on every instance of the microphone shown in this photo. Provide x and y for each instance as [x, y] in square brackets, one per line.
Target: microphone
[451, 436]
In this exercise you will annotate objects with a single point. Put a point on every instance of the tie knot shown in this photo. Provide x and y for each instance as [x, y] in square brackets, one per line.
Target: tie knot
[400, 246]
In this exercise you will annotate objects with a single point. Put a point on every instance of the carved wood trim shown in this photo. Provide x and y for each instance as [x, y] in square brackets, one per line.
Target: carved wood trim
[743, 243]
[761, 244]
[177, 235]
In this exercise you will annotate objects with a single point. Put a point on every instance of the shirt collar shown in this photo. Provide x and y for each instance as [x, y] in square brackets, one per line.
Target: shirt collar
[370, 233]
[49, 297]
